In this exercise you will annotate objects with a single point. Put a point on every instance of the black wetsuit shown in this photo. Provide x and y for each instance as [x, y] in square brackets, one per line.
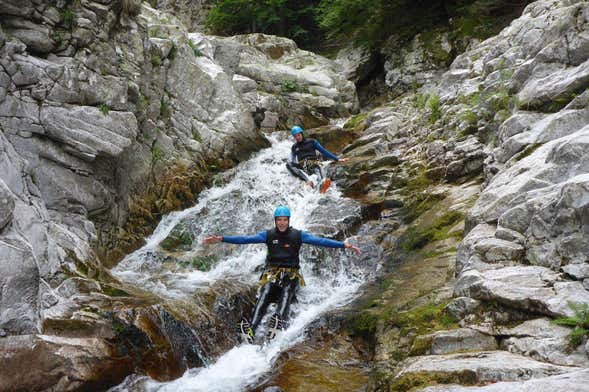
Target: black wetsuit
[304, 161]
[281, 277]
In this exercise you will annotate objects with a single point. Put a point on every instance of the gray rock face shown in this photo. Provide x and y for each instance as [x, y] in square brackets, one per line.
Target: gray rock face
[461, 306]
[530, 288]
[356, 62]
[19, 282]
[543, 341]
[416, 64]
[488, 366]
[309, 88]
[87, 132]
[459, 340]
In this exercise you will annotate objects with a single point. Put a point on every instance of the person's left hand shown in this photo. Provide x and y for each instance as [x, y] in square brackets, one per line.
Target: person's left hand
[212, 239]
[354, 248]
[343, 160]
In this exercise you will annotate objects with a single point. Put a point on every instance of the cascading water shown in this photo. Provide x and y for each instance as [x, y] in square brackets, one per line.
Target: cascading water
[244, 205]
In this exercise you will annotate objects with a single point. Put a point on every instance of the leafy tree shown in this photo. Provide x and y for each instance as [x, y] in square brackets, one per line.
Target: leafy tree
[287, 18]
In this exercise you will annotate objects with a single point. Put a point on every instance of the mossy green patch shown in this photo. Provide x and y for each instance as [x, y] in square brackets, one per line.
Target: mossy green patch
[417, 237]
[363, 324]
[414, 380]
[423, 319]
[113, 291]
[178, 239]
[357, 122]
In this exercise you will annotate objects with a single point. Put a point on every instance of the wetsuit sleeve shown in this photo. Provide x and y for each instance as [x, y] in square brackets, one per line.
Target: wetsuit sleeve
[319, 241]
[323, 151]
[293, 156]
[246, 239]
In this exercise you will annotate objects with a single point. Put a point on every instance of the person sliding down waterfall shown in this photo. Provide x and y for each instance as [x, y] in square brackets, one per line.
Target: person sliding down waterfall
[281, 276]
[303, 159]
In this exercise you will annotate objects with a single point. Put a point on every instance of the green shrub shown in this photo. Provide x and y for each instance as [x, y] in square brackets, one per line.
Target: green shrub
[164, 109]
[420, 100]
[290, 85]
[157, 154]
[579, 322]
[156, 60]
[433, 104]
[69, 18]
[104, 109]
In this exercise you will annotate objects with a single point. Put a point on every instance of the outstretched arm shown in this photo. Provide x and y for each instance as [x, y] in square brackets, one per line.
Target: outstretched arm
[320, 241]
[328, 154]
[237, 239]
[323, 151]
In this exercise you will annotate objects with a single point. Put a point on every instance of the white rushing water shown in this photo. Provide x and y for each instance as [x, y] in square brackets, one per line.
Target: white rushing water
[244, 205]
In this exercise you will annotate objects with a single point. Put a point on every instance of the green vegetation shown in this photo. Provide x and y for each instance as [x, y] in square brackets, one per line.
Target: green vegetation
[420, 100]
[356, 123]
[164, 109]
[113, 291]
[287, 18]
[57, 37]
[197, 52]
[413, 381]
[417, 199]
[529, 150]
[144, 101]
[196, 136]
[290, 85]
[104, 109]
[416, 238]
[423, 319]
[579, 322]
[173, 52]
[363, 324]
[433, 104]
[69, 18]
[156, 60]
[470, 117]
[178, 239]
[157, 154]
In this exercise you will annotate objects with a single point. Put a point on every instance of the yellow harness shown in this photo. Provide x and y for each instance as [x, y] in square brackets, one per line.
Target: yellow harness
[309, 163]
[274, 274]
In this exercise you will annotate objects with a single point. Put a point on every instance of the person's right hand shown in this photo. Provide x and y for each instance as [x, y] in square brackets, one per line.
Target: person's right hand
[212, 239]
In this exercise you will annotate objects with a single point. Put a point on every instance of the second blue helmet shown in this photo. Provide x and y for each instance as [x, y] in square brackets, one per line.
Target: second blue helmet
[281, 211]
[296, 129]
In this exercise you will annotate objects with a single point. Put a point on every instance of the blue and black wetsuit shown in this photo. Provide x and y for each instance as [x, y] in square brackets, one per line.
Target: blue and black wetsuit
[282, 265]
[303, 159]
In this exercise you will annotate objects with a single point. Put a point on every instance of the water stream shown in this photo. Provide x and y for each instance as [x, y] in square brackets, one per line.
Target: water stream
[242, 202]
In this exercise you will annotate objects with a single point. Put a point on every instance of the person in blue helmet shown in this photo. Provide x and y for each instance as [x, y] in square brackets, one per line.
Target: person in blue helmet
[303, 158]
[281, 277]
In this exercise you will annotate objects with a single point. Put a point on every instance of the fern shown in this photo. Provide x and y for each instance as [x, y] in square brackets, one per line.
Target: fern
[580, 323]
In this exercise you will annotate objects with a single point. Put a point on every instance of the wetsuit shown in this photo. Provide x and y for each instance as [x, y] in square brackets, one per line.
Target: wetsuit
[303, 159]
[281, 277]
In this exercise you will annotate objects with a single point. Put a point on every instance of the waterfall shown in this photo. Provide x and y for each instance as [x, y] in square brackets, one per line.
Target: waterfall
[242, 202]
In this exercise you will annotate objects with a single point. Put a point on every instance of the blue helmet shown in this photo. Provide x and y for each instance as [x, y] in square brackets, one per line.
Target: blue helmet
[281, 211]
[296, 129]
